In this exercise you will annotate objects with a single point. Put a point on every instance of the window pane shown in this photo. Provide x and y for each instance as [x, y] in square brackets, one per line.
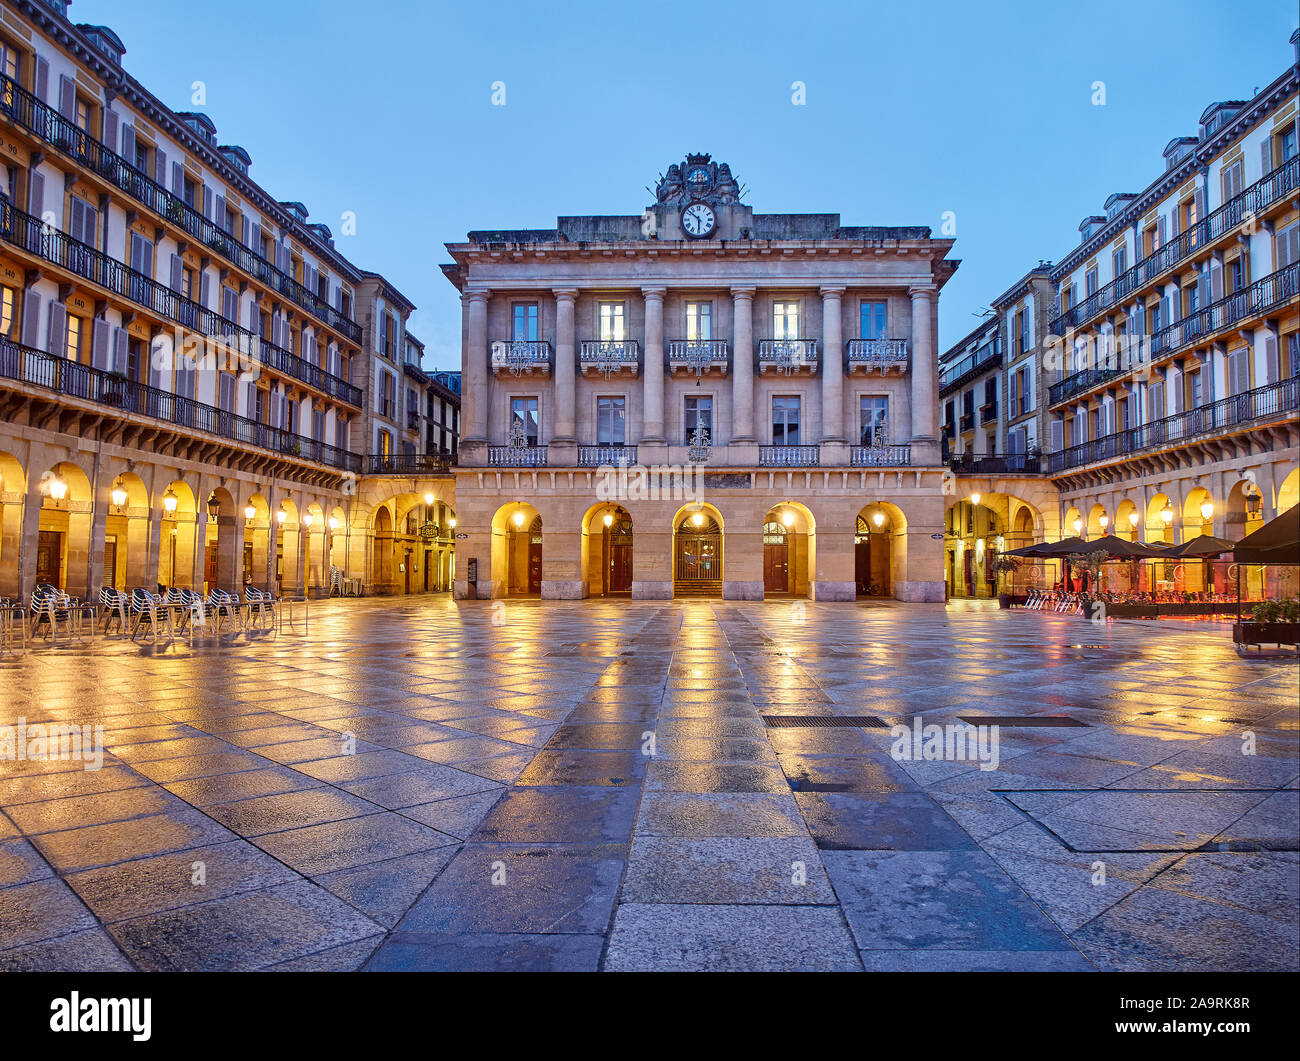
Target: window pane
[875, 421]
[873, 320]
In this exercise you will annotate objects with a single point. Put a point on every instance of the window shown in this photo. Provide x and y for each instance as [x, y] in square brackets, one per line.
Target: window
[875, 320]
[1239, 371]
[1119, 261]
[1022, 329]
[141, 159]
[8, 303]
[75, 334]
[523, 327]
[611, 421]
[1232, 180]
[785, 323]
[385, 444]
[1090, 282]
[1156, 400]
[523, 416]
[785, 420]
[81, 114]
[699, 414]
[1287, 144]
[1194, 387]
[1288, 244]
[82, 223]
[189, 191]
[1026, 391]
[699, 321]
[611, 322]
[874, 420]
[11, 67]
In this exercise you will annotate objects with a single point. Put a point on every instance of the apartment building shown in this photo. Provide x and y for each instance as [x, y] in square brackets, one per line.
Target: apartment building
[442, 415]
[699, 399]
[184, 377]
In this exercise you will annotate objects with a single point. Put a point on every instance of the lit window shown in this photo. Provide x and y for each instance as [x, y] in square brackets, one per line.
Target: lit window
[611, 322]
[699, 322]
[785, 320]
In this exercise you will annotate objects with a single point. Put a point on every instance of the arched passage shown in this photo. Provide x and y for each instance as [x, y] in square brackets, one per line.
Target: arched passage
[63, 535]
[126, 533]
[607, 540]
[697, 551]
[971, 542]
[517, 551]
[879, 549]
[13, 490]
[382, 561]
[789, 549]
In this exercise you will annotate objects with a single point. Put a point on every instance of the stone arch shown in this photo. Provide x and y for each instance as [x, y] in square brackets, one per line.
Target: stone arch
[789, 544]
[13, 493]
[517, 552]
[698, 550]
[606, 550]
[64, 528]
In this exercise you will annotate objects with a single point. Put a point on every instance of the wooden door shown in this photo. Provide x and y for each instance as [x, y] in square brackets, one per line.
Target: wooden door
[862, 565]
[110, 561]
[620, 566]
[534, 567]
[49, 558]
[210, 567]
[776, 566]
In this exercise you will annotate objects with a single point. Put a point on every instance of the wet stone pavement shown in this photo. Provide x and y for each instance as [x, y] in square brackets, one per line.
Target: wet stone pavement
[592, 785]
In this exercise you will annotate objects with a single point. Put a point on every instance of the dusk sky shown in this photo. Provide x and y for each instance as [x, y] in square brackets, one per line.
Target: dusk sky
[911, 110]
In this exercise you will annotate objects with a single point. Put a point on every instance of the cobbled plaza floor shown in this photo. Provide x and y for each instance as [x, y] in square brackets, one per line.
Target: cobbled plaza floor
[591, 785]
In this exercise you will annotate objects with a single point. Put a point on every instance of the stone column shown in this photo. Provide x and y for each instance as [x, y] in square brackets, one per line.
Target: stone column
[742, 366]
[474, 396]
[652, 420]
[925, 378]
[565, 367]
[31, 532]
[832, 366]
[101, 485]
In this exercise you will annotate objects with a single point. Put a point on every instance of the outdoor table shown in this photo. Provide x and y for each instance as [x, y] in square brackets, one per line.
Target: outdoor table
[286, 611]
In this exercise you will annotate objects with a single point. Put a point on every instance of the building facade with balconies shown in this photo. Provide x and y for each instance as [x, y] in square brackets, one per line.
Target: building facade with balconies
[1179, 335]
[700, 399]
[181, 360]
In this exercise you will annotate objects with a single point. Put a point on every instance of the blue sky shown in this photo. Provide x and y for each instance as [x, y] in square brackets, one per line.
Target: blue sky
[912, 109]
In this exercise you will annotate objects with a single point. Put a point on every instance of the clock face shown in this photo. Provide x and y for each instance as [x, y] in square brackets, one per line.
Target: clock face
[698, 220]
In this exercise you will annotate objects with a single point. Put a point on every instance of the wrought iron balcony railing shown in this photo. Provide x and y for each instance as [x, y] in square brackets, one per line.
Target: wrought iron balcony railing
[788, 355]
[988, 411]
[1260, 297]
[53, 128]
[1012, 463]
[969, 367]
[788, 456]
[521, 355]
[614, 456]
[967, 421]
[412, 420]
[877, 353]
[33, 236]
[56, 373]
[608, 355]
[1271, 188]
[886, 456]
[698, 355]
[407, 464]
[517, 457]
[1241, 410]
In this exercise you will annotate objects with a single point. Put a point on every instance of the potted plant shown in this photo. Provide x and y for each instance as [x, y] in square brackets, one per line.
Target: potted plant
[1006, 566]
[1272, 622]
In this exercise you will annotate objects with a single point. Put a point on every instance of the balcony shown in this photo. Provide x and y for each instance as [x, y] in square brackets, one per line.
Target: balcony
[1007, 464]
[516, 457]
[948, 431]
[120, 395]
[788, 456]
[30, 235]
[49, 126]
[521, 357]
[697, 357]
[606, 456]
[877, 355]
[407, 464]
[608, 357]
[880, 456]
[988, 411]
[1222, 417]
[1262, 296]
[412, 420]
[970, 366]
[787, 357]
[1252, 202]
[967, 422]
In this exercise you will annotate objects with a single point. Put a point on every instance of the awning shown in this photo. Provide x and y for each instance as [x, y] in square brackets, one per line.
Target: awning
[1277, 542]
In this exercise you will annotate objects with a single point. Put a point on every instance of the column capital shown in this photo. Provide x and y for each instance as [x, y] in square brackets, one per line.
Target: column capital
[921, 291]
[478, 295]
[743, 292]
[832, 292]
[654, 293]
[565, 294]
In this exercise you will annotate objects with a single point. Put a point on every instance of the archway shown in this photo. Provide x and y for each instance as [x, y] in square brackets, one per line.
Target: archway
[1074, 525]
[974, 530]
[1288, 494]
[126, 533]
[1199, 511]
[517, 551]
[697, 552]
[177, 536]
[607, 538]
[789, 544]
[1160, 520]
[63, 534]
[223, 543]
[1098, 522]
[1128, 520]
[381, 574]
[255, 561]
[879, 549]
[286, 546]
[13, 485]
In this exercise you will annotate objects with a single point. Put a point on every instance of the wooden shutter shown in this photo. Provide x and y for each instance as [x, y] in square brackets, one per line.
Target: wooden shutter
[177, 272]
[205, 286]
[219, 216]
[207, 202]
[42, 79]
[1266, 156]
[128, 144]
[160, 166]
[36, 194]
[56, 338]
[1198, 202]
[31, 317]
[178, 180]
[1216, 280]
[255, 238]
[67, 97]
[100, 350]
[121, 341]
[229, 304]
[110, 127]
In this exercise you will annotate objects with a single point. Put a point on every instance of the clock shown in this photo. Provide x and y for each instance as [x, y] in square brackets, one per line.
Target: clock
[698, 221]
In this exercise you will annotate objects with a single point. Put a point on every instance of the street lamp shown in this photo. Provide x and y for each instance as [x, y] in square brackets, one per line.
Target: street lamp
[1207, 510]
[249, 513]
[281, 515]
[170, 501]
[974, 499]
[118, 495]
[1166, 515]
[609, 519]
[452, 523]
[307, 519]
[698, 519]
[518, 518]
[214, 507]
[878, 519]
[333, 523]
[428, 500]
[787, 518]
[1133, 519]
[1078, 526]
[1104, 521]
[55, 488]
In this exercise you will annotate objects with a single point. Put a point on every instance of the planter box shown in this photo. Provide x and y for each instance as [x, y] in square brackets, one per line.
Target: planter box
[1249, 633]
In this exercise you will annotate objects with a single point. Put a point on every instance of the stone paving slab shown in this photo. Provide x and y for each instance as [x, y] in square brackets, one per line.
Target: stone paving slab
[434, 791]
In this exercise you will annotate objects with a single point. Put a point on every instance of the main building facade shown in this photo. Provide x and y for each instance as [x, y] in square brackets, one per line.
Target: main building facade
[700, 400]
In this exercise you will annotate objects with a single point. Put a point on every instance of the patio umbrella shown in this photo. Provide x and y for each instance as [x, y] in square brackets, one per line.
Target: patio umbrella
[1277, 542]
[1203, 545]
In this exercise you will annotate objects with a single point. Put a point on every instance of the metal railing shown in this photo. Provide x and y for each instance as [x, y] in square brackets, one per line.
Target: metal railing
[988, 411]
[599, 352]
[32, 235]
[412, 419]
[697, 353]
[1239, 410]
[1260, 297]
[788, 355]
[407, 464]
[880, 456]
[971, 365]
[512, 457]
[884, 353]
[1259, 196]
[52, 372]
[1012, 463]
[788, 456]
[518, 354]
[53, 128]
[596, 456]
